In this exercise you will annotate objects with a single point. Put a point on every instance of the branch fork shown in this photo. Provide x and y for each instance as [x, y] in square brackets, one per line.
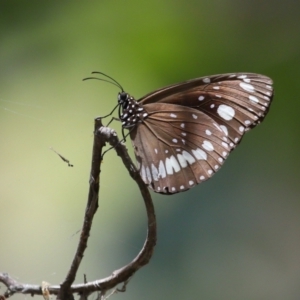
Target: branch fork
[67, 289]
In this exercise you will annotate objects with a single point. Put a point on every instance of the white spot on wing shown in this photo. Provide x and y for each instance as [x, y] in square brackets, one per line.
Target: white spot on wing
[217, 126]
[154, 172]
[208, 132]
[182, 161]
[226, 112]
[148, 174]
[161, 170]
[200, 154]
[188, 157]
[224, 129]
[171, 163]
[185, 158]
[201, 98]
[191, 182]
[173, 116]
[143, 173]
[206, 80]
[247, 87]
[253, 99]
[194, 116]
[174, 140]
[208, 146]
[225, 145]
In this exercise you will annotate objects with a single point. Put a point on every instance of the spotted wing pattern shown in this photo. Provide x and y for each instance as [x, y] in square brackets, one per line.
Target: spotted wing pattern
[237, 102]
[183, 133]
[183, 147]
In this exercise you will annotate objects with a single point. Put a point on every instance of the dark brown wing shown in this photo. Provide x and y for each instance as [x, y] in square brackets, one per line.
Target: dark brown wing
[178, 147]
[237, 102]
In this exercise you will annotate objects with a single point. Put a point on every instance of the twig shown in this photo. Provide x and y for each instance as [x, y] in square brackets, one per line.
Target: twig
[91, 208]
[66, 290]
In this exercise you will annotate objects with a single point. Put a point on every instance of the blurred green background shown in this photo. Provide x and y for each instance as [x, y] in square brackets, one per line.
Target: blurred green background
[234, 237]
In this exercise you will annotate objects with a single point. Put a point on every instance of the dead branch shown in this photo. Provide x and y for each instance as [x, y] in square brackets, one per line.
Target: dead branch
[66, 289]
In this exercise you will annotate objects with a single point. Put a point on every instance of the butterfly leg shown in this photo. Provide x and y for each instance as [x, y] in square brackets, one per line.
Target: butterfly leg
[121, 141]
[110, 112]
[112, 119]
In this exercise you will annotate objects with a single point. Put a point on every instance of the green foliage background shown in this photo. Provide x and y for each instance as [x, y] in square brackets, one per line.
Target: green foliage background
[234, 237]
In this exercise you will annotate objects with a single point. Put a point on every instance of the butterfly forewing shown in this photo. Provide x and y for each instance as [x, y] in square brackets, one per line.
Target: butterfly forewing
[188, 129]
[236, 101]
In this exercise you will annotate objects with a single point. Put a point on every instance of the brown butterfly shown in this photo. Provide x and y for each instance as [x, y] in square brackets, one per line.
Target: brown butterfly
[183, 133]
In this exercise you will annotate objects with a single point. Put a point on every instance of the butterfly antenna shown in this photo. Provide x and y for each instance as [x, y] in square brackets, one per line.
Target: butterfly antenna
[115, 81]
[87, 78]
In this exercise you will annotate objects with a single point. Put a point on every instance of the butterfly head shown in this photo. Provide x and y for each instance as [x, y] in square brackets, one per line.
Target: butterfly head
[123, 99]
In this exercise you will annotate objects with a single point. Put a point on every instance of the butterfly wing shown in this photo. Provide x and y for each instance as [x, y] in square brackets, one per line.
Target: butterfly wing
[237, 102]
[178, 147]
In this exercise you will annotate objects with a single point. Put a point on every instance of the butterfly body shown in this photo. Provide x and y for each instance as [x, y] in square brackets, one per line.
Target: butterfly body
[183, 133]
[132, 111]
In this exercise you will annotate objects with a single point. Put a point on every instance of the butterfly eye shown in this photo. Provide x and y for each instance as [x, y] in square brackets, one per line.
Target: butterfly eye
[122, 97]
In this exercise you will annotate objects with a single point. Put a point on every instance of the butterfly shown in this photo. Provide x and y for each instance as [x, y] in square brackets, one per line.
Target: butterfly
[183, 133]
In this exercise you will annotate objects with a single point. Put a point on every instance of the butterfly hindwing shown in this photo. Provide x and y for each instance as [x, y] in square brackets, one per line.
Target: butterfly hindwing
[183, 147]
